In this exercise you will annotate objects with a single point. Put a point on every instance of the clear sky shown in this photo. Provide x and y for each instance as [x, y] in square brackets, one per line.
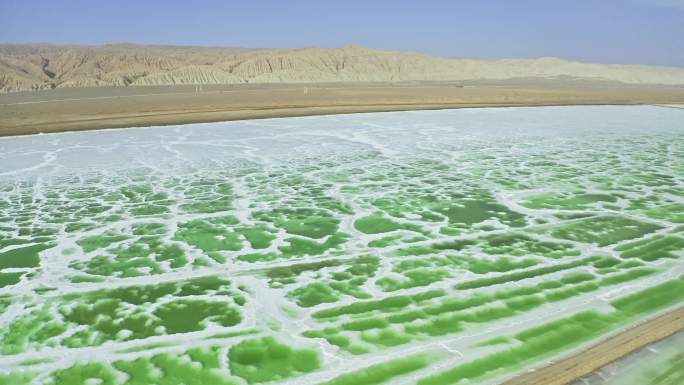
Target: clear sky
[606, 31]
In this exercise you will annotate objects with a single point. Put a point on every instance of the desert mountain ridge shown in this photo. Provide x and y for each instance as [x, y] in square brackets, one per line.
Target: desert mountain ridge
[26, 67]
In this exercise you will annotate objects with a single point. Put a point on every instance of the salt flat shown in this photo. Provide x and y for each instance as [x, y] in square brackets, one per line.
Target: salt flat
[423, 247]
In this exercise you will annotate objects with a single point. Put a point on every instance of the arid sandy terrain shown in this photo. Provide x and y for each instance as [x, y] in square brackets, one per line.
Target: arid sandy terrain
[36, 66]
[46, 88]
[109, 107]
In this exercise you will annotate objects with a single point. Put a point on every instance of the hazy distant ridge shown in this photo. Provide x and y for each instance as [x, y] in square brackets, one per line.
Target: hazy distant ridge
[32, 67]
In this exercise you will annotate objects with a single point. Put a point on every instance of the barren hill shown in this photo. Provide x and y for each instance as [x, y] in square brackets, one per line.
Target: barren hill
[33, 67]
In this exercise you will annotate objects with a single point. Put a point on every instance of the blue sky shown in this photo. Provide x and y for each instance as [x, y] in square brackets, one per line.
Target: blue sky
[606, 31]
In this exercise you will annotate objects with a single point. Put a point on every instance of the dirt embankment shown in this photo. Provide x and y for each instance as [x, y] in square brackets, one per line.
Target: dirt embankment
[570, 369]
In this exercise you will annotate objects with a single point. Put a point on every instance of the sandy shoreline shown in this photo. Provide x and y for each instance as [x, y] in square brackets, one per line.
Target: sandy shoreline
[572, 368]
[190, 117]
[98, 108]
